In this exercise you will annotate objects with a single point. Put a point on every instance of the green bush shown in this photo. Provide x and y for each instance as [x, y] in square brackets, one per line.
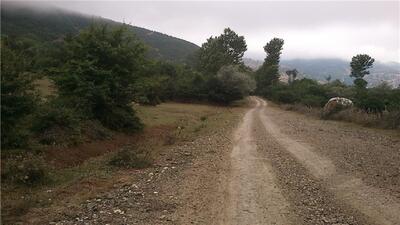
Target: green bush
[378, 99]
[284, 96]
[56, 124]
[229, 85]
[18, 98]
[371, 103]
[119, 118]
[98, 75]
[305, 91]
[313, 100]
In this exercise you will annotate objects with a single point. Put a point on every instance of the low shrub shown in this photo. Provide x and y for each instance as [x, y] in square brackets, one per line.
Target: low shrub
[284, 96]
[119, 118]
[371, 103]
[94, 130]
[378, 106]
[389, 120]
[56, 125]
[312, 111]
[313, 101]
[26, 170]
[129, 158]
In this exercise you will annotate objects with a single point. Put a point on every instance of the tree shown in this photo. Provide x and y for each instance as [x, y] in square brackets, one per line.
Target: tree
[230, 84]
[360, 65]
[18, 98]
[97, 78]
[292, 74]
[269, 72]
[223, 50]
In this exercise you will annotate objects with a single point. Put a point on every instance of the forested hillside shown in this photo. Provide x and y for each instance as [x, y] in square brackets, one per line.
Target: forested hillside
[46, 25]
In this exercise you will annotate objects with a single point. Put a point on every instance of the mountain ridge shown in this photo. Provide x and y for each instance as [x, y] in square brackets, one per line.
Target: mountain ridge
[49, 25]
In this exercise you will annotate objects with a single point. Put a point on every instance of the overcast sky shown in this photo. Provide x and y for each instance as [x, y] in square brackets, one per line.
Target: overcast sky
[310, 29]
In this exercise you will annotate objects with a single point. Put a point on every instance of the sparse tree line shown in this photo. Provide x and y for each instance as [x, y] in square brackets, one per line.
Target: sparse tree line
[382, 101]
[100, 74]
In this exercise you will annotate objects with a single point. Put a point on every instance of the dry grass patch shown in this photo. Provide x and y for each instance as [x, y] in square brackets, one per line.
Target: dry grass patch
[80, 172]
[386, 120]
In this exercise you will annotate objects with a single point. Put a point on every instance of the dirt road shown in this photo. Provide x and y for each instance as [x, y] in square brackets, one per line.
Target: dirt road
[254, 196]
[268, 167]
[279, 179]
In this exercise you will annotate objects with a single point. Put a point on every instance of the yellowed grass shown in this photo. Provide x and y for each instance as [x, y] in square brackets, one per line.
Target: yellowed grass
[68, 184]
[45, 87]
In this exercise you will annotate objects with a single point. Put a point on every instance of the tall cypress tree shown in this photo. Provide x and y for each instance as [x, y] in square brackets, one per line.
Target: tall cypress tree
[360, 64]
[269, 72]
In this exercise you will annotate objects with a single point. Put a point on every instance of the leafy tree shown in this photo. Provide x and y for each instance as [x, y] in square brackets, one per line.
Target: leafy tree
[98, 75]
[190, 85]
[229, 85]
[360, 65]
[18, 98]
[269, 72]
[223, 50]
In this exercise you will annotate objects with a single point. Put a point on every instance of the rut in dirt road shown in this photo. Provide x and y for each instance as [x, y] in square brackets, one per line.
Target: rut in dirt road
[378, 207]
[254, 196]
[258, 196]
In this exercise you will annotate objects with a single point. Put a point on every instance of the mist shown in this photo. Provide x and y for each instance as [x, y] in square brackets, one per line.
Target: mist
[310, 29]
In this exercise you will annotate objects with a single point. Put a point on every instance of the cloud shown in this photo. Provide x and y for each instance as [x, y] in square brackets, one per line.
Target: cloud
[311, 29]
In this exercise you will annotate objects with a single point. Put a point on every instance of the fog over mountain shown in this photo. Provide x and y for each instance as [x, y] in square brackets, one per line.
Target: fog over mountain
[49, 23]
[311, 29]
[311, 52]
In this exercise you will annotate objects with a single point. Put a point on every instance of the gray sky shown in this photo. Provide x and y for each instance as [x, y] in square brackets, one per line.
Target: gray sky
[310, 29]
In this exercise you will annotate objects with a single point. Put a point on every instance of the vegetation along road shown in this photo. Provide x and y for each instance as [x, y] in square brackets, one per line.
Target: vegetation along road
[263, 165]
[104, 123]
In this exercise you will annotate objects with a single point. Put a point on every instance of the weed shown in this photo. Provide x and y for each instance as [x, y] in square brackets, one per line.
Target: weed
[128, 158]
[27, 170]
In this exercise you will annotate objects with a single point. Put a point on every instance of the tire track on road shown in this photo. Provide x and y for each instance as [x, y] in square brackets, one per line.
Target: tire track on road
[381, 208]
[254, 197]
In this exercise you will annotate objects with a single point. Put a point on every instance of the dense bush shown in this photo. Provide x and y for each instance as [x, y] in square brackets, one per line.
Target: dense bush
[98, 75]
[119, 118]
[305, 91]
[18, 98]
[229, 85]
[281, 93]
[313, 100]
[53, 124]
[370, 102]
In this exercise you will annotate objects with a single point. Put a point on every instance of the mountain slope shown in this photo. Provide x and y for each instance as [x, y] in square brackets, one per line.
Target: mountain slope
[50, 25]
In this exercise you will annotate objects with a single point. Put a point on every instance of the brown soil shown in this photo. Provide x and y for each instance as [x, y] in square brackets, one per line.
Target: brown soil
[276, 167]
[63, 157]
